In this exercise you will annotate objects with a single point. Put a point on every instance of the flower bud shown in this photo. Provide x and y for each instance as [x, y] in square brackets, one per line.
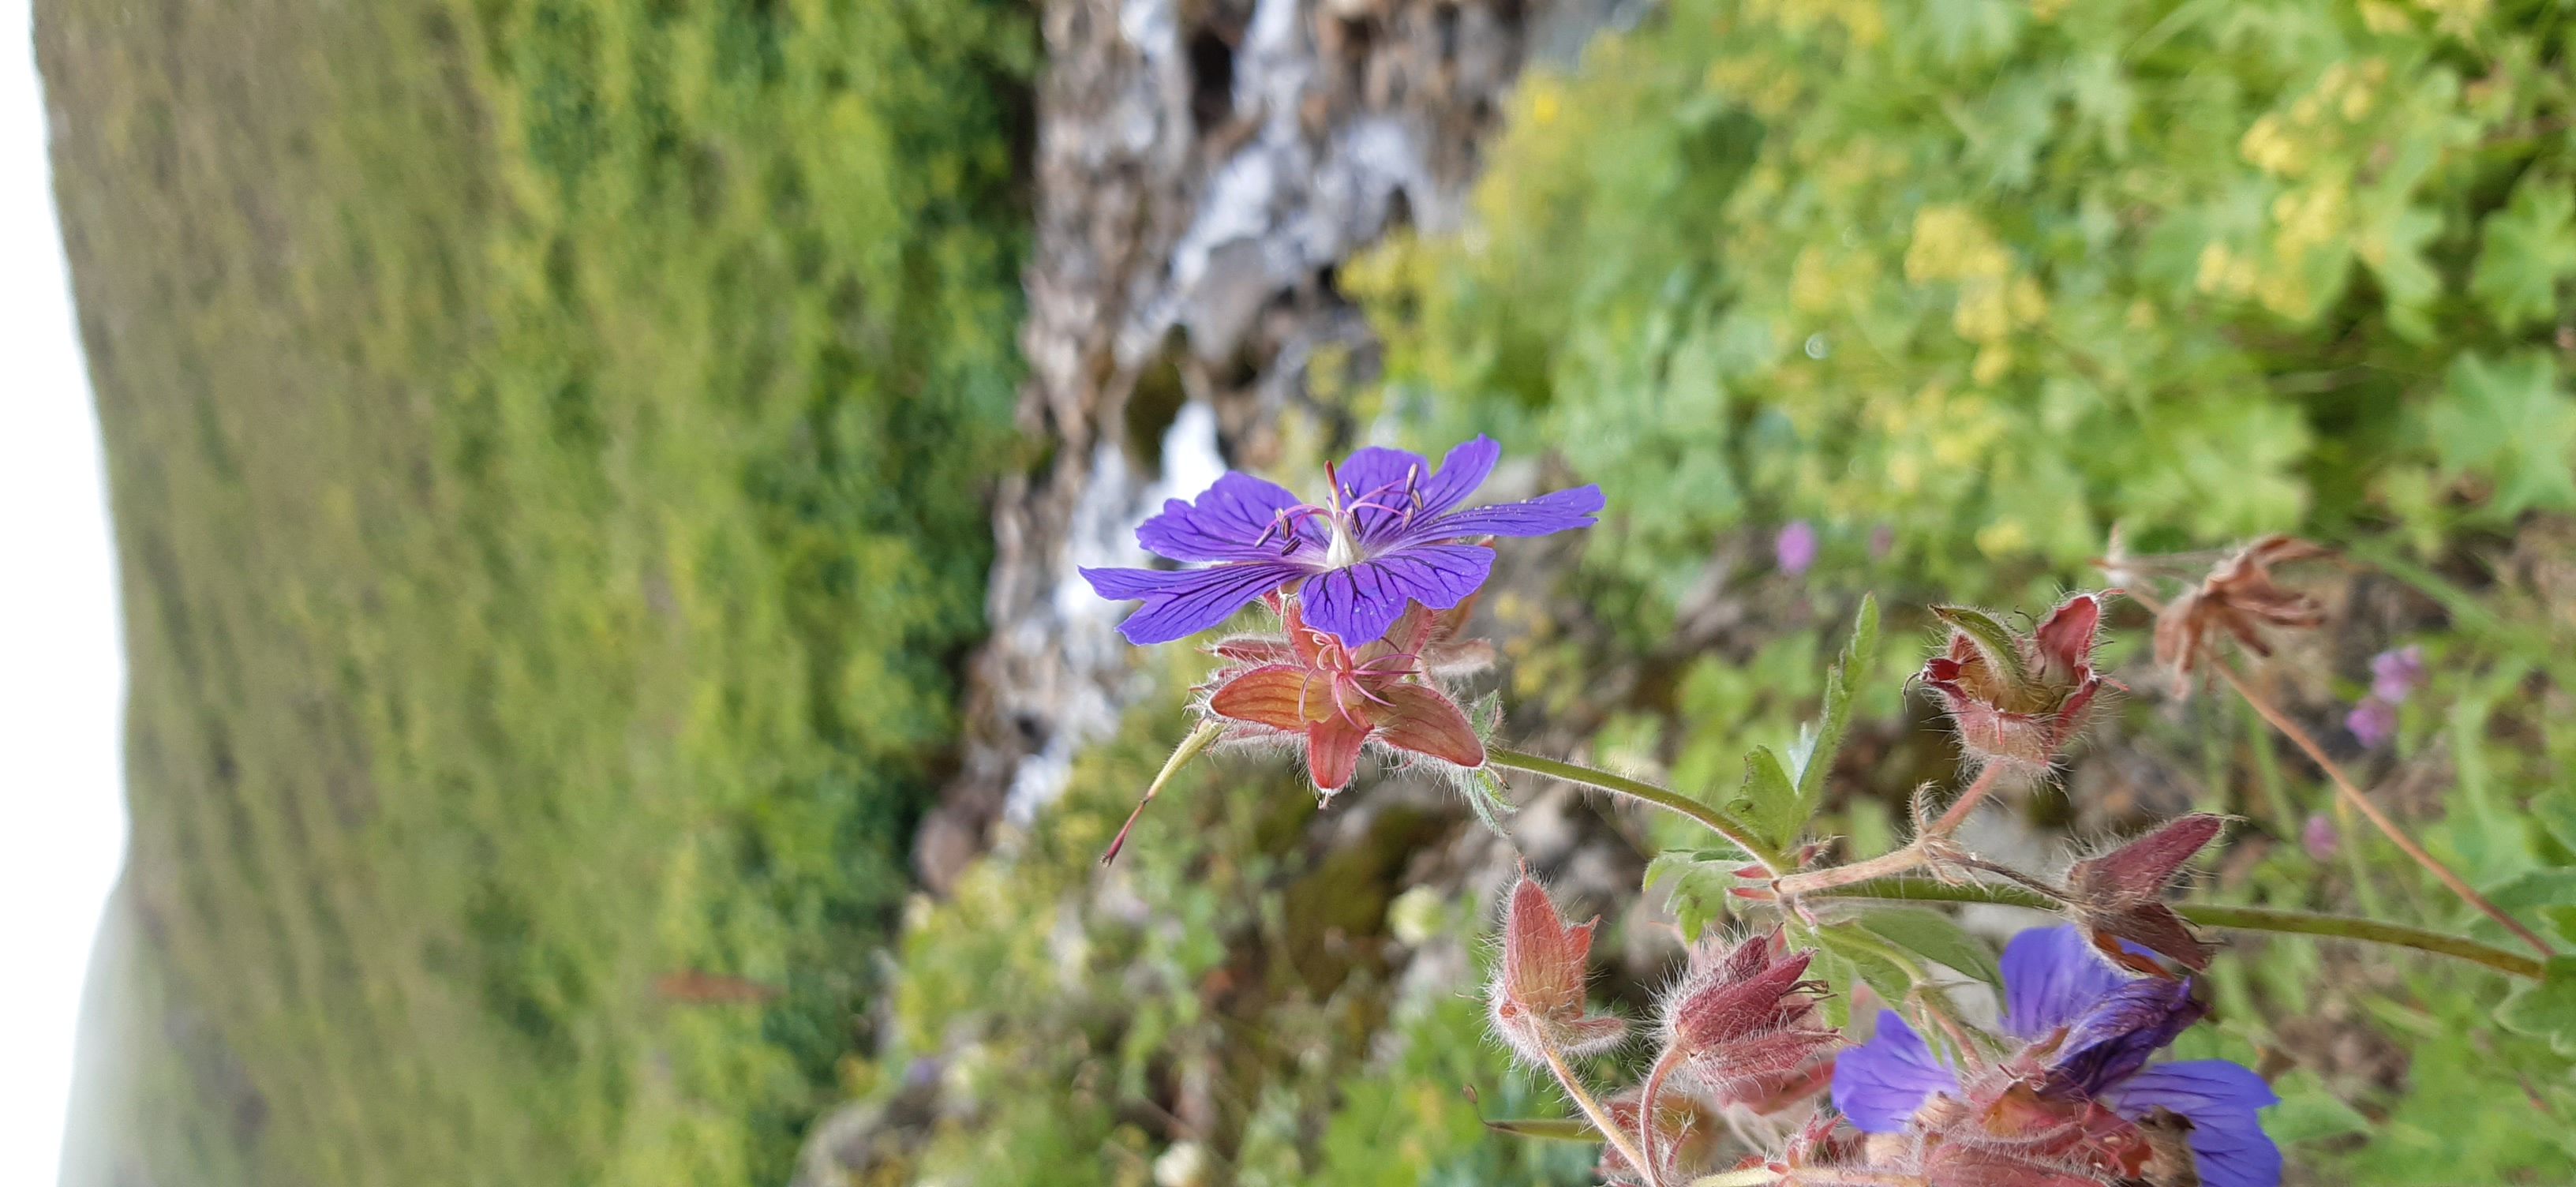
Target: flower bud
[1743, 1023]
[2120, 894]
[2018, 699]
[1537, 997]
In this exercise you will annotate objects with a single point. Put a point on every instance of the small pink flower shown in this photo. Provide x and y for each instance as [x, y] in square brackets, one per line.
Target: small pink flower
[2394, 675]
[2320, 837]
[1795, 548]
[2373, 722]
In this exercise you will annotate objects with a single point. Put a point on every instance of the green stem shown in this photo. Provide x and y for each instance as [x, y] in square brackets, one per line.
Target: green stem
[2271, 919]
[1735, 831]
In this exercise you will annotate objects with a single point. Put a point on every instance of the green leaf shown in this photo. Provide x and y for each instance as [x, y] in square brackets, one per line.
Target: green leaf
[1484, 788]
[1769, 801]
[2556, 812]
[2548, 1009]
[1813, 758]
[1551, 1129]
[1701, 880]
[1868, 962]
[2549, 894]
[1839, 977]
[2530, 247]
[2508, 421]
[1862, 650]
[2394, 249]
[1935, 937]
[1486, 716]
[2308, 1112]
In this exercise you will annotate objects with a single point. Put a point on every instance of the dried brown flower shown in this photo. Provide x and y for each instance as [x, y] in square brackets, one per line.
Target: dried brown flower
[2240, 598]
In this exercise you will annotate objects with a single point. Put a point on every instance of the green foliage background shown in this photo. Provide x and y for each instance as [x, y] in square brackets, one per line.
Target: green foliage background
[547, 441]
[1995, 275]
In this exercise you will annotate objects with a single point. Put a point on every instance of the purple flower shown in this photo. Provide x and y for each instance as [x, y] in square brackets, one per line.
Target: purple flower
[2395, 674]
[2097, 1027]
[2320, 837]
[2373, 721]
[1795, 547]
[1390, 534]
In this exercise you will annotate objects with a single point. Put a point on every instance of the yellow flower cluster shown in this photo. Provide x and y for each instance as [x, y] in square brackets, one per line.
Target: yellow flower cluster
[1863, 20]
[1755, 81]
[2285, 144]
[1935, 430]
[1949, 243]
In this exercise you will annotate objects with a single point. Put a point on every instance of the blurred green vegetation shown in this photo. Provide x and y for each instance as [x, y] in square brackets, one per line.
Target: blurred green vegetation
[548, 443]
[1994, 275]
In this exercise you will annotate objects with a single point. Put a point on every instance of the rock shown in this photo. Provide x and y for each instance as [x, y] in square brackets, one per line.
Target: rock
[1203, 167]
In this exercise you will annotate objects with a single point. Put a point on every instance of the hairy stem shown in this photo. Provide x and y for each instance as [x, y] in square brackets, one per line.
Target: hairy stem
[1896, 861]
[1735, 831]
[1755, 1176]
[1646, 1118]
[1978, 790]
[1600, 1116]
[2266, 919]
[2308, 745]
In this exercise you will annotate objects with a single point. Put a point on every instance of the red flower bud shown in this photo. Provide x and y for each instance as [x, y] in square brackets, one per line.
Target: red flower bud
[1537, 996]
[2018, 699]
[2120, 895]
[1742, 1024]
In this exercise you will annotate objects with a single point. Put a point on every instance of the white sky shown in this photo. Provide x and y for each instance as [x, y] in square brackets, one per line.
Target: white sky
[62, 666]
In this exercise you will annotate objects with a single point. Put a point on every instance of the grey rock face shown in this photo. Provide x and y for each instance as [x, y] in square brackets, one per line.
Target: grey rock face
[1203, 167]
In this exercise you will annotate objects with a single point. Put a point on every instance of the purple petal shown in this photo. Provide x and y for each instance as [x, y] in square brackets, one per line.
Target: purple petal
[1237, 519]
[1460, 474]
[2117, 1036]
[1181, 604]
[2051, 977]
[2224, 1103]
[2394, 674]
[2372, 722]
[1795, 548]
[1880, 1083]
[1544, 515]
[1378, 487]
[1360, 602]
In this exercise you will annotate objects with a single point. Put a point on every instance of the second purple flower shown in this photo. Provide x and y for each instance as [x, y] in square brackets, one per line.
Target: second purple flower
[1389, 532]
